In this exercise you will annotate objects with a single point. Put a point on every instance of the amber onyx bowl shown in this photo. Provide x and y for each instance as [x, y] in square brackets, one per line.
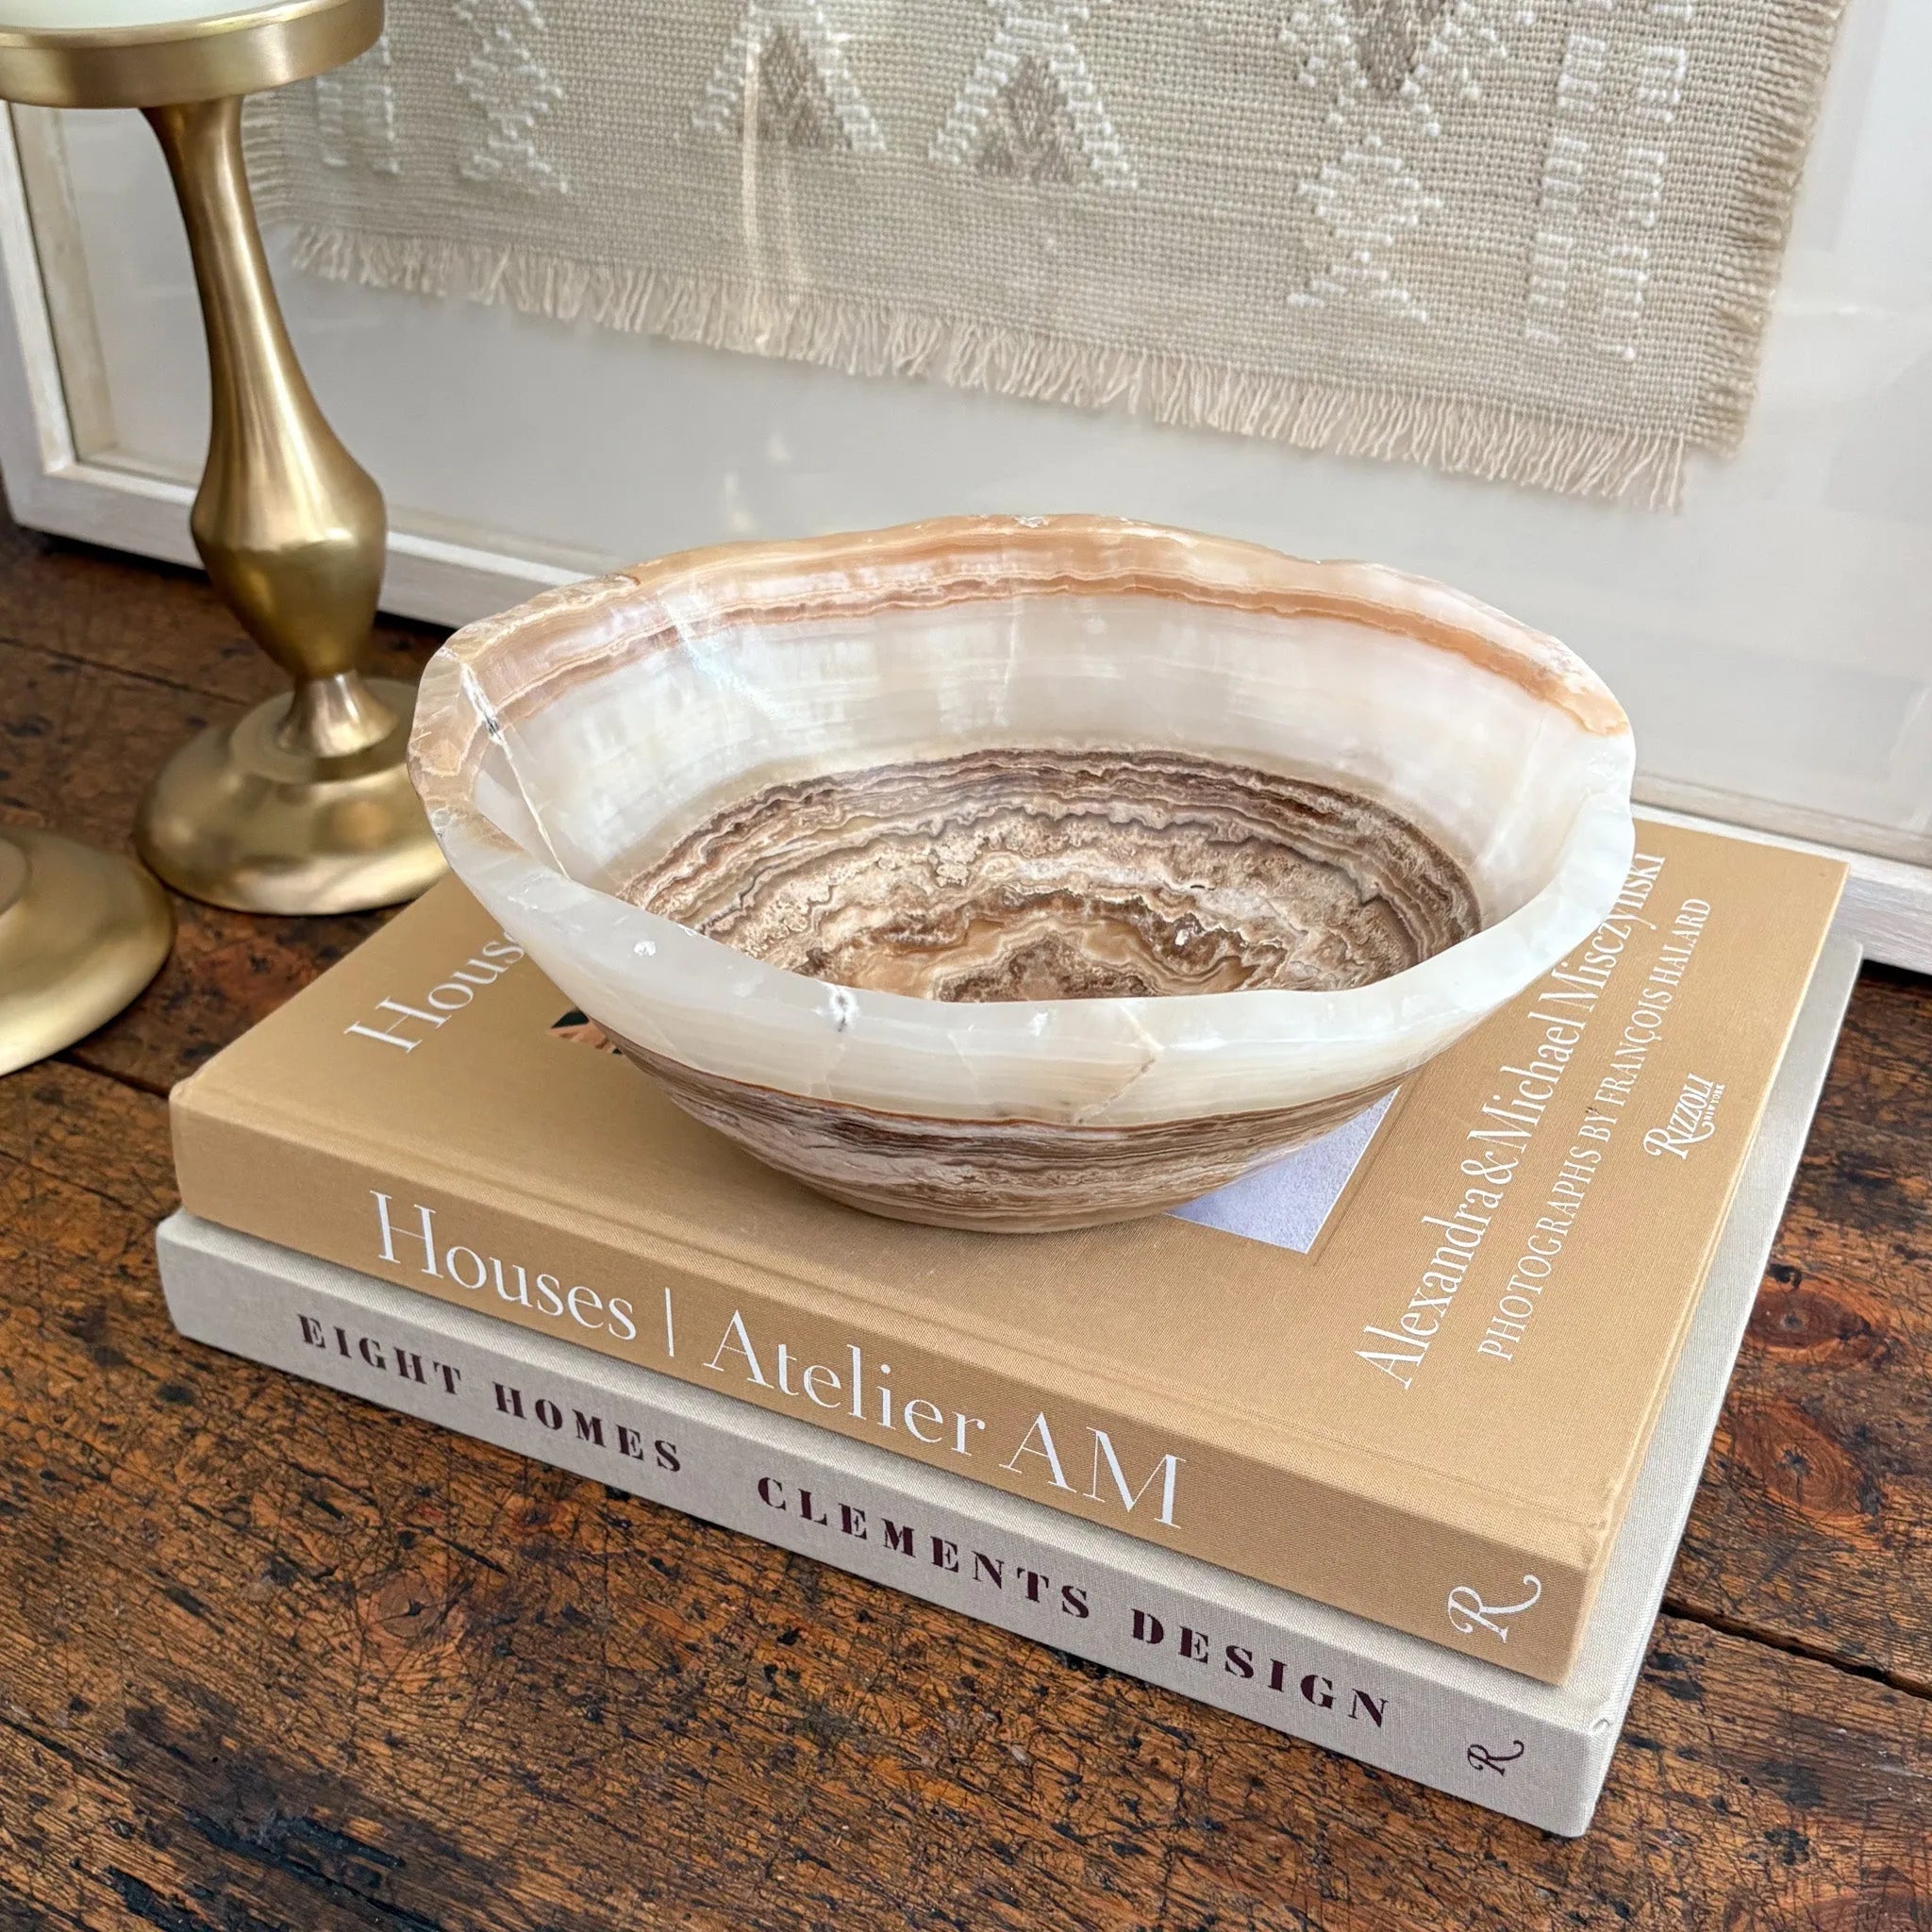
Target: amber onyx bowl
[1025, 873]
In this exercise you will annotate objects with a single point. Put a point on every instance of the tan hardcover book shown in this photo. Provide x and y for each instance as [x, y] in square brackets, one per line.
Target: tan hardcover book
[1418, 1386]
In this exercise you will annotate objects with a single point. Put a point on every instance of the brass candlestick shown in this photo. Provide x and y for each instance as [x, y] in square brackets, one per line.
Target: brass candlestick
[303, 806]
[81, 932]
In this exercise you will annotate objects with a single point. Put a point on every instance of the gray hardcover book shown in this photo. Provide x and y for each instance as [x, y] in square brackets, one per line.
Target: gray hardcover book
[1534, 1751]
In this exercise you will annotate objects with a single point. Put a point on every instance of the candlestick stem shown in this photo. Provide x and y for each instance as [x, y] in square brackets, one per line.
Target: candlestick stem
[303, 804]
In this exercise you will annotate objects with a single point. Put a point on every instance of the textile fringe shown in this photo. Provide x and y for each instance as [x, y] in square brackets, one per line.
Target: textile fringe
[1495, 442]
[1794, 58]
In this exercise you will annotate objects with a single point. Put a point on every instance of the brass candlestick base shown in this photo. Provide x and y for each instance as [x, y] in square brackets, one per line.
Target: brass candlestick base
[303, 806]
[81, 932]
[251, 815]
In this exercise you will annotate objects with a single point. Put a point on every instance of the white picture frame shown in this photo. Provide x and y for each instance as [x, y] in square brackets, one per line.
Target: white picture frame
[54, 486]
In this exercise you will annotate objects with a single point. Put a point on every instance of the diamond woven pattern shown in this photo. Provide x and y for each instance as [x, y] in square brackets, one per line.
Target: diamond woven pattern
[1534, 240]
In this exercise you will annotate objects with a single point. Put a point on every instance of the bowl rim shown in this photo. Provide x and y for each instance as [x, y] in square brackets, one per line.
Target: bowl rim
[941, 559]
[516, 662]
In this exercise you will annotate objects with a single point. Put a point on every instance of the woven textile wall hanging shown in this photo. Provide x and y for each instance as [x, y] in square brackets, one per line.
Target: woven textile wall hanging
[1531, 239]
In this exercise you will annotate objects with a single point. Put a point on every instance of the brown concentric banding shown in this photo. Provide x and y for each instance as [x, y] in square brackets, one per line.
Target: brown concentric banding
[1019, 1171]
[1039, 874]
[996, 1177]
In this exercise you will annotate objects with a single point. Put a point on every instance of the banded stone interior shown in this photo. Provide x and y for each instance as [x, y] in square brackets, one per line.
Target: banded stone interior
[1046, 874]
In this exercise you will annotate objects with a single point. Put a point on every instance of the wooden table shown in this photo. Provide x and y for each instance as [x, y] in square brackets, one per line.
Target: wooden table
[272, 1658]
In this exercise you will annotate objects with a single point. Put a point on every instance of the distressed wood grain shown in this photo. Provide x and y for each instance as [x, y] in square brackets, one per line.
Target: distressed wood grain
[271, 1659]
[107, 665]
[280, 1659]
[1813, 1524]
[79, 743]
[157, 623]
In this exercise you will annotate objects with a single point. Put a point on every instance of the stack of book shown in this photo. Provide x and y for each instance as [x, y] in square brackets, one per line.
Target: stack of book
[1388, 1446]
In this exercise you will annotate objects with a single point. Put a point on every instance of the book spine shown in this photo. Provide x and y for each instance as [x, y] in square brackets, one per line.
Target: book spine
[478, 1243]
[1168, 1621]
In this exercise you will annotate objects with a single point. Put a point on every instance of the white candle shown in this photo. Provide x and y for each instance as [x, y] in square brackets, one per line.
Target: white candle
[81, 15]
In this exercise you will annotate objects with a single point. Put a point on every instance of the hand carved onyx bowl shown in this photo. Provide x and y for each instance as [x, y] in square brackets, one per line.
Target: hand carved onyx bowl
[1025, 874]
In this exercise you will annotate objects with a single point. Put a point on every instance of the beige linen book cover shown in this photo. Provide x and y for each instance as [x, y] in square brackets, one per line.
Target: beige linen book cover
[1433, 1418]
